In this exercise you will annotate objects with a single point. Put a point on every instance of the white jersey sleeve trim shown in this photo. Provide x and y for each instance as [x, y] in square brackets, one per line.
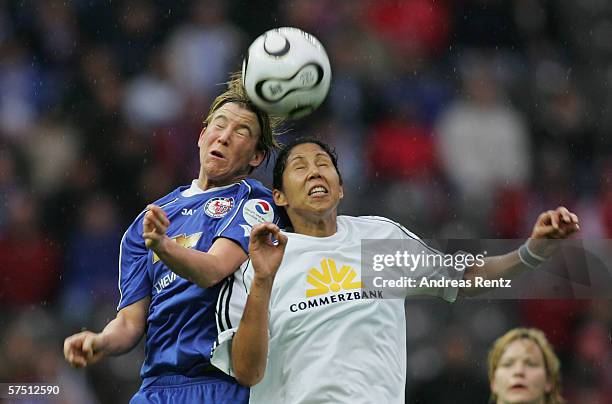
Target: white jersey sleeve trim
[221, 356]
[403, 229]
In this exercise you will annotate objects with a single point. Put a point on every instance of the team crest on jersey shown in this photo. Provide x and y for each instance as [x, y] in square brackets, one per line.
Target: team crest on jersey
[257, 211]
[331, 279]
[218, 207]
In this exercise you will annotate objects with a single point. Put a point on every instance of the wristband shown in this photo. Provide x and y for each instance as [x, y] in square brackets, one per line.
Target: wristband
[529, 258]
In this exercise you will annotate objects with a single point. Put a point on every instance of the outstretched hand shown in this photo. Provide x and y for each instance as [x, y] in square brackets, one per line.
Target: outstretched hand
[155, 225]
[266, 249]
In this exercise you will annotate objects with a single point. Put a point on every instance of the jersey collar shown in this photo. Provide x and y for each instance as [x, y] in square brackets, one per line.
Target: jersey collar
[195, 189]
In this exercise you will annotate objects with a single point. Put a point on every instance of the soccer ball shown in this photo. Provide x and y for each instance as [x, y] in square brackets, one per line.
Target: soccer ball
[286, 72]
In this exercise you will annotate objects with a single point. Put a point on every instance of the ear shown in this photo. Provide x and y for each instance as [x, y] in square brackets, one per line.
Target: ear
[548, 387]
[341, 192]
[256, 159]
[201, 138]
[279, 197]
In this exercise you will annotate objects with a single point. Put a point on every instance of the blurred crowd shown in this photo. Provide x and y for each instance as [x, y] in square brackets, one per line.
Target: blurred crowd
[459, 119]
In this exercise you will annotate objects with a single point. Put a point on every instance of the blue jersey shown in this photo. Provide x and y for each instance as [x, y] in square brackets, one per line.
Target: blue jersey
[182, 320]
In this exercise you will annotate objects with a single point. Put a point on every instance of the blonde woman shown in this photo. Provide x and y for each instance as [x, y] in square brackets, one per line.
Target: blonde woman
[523, 368]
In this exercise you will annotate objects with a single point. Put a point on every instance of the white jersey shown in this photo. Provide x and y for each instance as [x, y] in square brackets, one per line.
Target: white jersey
[329, 341]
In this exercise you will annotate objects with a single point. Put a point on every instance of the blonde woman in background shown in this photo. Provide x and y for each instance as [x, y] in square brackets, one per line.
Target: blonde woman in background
[523, 369]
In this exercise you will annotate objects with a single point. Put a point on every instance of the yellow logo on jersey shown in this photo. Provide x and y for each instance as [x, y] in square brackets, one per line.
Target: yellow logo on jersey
[183, 240]
[330, 279]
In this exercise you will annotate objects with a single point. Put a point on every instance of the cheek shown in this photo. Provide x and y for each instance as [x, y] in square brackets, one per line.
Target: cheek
[291, 187]
[248, 148]
[204, 141]
[499, 380]
[243, 149]
[333, 176]
[290, 184]
[539, 378]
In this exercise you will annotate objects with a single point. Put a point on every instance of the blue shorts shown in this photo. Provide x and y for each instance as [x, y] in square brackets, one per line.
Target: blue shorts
[213, 389]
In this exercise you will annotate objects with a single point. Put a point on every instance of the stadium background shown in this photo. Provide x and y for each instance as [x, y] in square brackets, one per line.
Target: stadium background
[457, 118]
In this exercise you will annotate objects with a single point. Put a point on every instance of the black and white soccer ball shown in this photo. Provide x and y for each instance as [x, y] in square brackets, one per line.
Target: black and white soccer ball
[286, 72]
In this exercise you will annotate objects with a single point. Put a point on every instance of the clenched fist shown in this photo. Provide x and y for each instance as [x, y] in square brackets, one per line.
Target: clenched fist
[154, 227]
[83, 349]
[552, 224]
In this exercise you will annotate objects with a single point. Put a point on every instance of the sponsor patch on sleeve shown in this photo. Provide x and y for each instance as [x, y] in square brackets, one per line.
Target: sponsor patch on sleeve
[257, 211]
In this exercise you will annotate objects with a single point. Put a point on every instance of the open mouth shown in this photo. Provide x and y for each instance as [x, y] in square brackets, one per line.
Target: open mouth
[217, 154]
[518, 386]
[318, 190]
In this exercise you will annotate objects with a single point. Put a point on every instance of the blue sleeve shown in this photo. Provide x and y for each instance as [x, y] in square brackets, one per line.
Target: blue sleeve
[255, 206]
[134, 281]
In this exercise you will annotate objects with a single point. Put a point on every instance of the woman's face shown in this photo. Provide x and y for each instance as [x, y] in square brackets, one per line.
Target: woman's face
[520, 376]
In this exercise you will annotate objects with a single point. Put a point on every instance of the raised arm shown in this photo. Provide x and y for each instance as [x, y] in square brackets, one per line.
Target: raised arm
[553, 224]
[118, 337]
[205, 269]
[250, 344]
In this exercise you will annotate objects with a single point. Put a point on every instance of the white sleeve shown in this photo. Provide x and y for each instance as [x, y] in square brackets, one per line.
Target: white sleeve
[448, 275]
[230, 306]
[221, 356]
[440, 273]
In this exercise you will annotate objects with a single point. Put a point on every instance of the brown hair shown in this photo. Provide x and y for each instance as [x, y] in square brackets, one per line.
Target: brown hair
[268, 125]
[551, 362]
